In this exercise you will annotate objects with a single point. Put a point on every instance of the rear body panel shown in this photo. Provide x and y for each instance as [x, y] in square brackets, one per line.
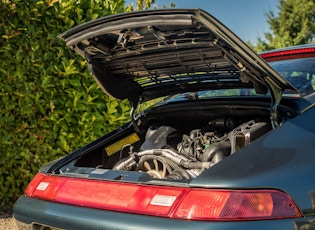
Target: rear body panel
[72, 217]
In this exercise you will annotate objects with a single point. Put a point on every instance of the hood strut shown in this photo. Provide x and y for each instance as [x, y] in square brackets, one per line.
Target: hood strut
[273, 114]
[133, 105]
[248, 76]
[276, 95]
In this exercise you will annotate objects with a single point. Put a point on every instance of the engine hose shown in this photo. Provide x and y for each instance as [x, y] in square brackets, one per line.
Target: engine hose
[176, 154]
[128, 163]
[171, 157]
[216, 152]
[168, 153]
[184, 162]
[195, 165]
[125, 164]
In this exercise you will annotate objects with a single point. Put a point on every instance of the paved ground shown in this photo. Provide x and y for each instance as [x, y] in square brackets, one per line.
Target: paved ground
[7, 222]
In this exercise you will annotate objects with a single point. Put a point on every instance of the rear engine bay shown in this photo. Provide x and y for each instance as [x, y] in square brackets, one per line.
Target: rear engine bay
[173, 144]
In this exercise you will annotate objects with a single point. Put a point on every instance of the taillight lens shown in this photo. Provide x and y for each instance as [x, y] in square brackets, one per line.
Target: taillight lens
[289, 54]
[165, 201]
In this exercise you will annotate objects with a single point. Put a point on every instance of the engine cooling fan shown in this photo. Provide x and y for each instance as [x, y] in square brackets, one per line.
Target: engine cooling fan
[157, 166]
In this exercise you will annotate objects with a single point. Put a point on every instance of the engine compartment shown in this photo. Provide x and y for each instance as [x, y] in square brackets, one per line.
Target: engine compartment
[161, 157]
[173, 142]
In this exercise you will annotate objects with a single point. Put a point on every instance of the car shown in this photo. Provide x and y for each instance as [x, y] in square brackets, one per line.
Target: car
[219, 137]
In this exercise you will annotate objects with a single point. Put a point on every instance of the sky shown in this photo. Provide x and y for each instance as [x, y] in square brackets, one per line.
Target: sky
[246, 18]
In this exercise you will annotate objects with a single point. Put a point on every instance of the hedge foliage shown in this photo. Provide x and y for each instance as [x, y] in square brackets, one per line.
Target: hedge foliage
[50, 105]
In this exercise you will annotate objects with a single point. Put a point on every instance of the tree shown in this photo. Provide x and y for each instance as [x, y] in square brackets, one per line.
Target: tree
[294, 24]
[145, 5]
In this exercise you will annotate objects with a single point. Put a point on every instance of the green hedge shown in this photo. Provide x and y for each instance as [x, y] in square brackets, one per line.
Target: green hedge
[50, 105]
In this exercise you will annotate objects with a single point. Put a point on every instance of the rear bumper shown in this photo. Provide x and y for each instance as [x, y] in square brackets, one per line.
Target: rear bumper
[36, 214]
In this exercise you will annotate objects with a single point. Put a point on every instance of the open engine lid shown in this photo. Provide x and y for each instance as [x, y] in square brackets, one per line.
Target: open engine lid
[149, 54]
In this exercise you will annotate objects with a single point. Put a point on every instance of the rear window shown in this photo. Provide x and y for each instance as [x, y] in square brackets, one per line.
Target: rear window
[206, 94]
[299, 72]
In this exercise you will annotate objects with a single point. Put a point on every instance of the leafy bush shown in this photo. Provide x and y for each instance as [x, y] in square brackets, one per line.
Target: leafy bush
[50, 105]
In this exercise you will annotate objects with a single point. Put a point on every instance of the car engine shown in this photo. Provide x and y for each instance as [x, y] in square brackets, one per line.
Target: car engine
[196, 151]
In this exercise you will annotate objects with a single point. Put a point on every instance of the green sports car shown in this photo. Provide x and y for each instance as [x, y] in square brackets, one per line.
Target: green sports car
[226, 143]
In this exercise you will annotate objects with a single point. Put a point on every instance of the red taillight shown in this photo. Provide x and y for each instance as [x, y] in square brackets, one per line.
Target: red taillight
[233, 205]
[288, 54]
[165, 201]
[116, 196]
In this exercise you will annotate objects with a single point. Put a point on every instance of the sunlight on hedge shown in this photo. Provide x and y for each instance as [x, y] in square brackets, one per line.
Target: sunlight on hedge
[50, 105]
